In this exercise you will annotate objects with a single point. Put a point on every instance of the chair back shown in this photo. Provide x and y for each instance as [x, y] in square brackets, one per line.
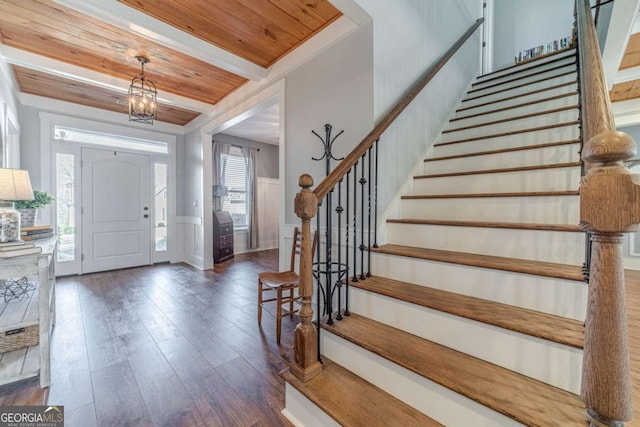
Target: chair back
[295, 247]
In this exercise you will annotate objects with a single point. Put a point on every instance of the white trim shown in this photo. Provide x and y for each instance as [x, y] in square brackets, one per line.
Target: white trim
[352, 10]
[146, 26]
[84, 75]
[84, 112]
[627, 75]
[619, 31]
[626, 113]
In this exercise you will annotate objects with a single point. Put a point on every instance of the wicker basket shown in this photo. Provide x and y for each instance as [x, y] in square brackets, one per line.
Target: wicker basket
[19, 337]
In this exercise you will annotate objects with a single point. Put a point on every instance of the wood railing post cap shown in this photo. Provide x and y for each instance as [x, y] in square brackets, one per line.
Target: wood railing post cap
[305, 181]
[609, 147]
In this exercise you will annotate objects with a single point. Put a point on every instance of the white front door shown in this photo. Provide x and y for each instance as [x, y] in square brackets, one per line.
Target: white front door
[115, 210]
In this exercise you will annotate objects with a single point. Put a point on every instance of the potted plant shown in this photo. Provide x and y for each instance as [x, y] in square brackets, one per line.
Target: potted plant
[29, 208]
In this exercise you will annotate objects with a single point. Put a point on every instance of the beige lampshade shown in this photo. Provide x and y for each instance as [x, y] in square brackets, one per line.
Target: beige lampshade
[15, 185]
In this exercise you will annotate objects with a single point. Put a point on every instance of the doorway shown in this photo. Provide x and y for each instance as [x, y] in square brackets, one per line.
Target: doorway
[115, 210]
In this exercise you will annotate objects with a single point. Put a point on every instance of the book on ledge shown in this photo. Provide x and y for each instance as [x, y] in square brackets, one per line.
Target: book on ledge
[38, 236]
[35, 228]
[22, 251]
[20, 244]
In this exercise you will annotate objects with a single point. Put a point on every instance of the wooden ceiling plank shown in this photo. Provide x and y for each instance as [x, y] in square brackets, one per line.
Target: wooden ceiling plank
[277, 16]
[634, 92]
[199, 26]
[298, 10]
[42, 84]
[86, 48]
[620, 91]
[631, 56]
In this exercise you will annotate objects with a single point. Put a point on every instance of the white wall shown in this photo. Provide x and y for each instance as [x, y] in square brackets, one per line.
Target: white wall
[190, 213]
[8, 120]
[523, 24]
[408, 37]
[335, 87]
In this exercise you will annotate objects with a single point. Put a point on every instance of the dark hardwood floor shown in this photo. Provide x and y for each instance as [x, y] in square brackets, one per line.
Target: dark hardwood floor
[166, 345]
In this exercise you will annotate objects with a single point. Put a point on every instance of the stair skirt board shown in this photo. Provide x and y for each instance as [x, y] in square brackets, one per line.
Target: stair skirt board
[528, 181]
[515, 125]
[472, 100]
[560, 297]
[520, 74]
[534, 156]
[548, 246]
[465, 108]
[490, 115]
[438, 402]
[302, 412]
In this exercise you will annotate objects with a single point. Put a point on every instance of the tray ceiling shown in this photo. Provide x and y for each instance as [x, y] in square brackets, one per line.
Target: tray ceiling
[258, 31]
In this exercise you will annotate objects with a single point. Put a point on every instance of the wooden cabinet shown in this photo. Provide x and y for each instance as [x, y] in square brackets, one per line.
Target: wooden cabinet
[33, 316]
[222, 236]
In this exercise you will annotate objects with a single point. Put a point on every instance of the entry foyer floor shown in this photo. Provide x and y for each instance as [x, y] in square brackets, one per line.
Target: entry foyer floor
[166, 345]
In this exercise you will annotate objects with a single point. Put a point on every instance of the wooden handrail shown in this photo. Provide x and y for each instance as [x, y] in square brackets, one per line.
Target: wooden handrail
[345, 165]
[609, 207]
[596, 105]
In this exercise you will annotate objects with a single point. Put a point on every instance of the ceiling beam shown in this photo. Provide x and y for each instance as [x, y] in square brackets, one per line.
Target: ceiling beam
[32, 61]
[627, 75]
[621, 25]
[129, 19]
[625, 113]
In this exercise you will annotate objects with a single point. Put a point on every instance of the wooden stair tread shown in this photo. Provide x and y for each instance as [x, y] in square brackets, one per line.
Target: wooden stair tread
[497, 135]
[523, 399]
[515, 79]
[501, 170]
[520, 85]
[517, 96]
[524, 104]
[503, 150]
[509, 119]
[489, 224]
[352, 401]
[558, 52]
[536, 268]
[534, 323]
[478, 195]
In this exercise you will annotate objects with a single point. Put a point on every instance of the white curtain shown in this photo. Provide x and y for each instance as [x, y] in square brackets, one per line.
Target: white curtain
[250, 155]
[219, 170]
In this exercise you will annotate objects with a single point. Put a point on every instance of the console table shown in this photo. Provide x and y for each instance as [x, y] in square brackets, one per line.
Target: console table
[35, 311]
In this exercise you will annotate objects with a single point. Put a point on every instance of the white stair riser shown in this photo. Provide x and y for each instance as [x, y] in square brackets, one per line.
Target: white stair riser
[556, 134]
[535, 209]
[513, 125]
[474, 100]
[548, 246]
[559, 179]
[480, 108]
[567, 298]
[529, 65]
[517, 74]
[540, 107]
[538, 156]
[522, 81]
[551, 363]
[438, 402]
[302, 412]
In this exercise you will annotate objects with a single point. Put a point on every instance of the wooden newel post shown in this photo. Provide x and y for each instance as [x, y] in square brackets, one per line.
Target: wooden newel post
[609, 207]
[306, 364]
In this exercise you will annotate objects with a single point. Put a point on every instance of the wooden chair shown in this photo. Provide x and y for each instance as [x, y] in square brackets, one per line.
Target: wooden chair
[284, 283]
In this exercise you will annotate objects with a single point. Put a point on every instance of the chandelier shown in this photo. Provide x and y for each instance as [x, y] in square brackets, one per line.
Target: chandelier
[142, 97]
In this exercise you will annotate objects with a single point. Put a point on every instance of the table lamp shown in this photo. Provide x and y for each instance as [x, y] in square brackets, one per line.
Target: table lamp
[14, 185]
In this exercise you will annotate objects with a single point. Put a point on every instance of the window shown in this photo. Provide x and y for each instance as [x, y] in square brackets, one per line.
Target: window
[160, 205]
[65, 207]
[235, 173]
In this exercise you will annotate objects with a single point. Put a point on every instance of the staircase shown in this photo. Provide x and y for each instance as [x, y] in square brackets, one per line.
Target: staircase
[474, 312]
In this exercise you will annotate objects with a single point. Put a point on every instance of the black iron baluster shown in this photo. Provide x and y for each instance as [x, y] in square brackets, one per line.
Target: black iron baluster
[355, 223]
[339, 211]
[346, 252]
[363, 181]
[328, 249]
[369, 218]
[375, 203]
